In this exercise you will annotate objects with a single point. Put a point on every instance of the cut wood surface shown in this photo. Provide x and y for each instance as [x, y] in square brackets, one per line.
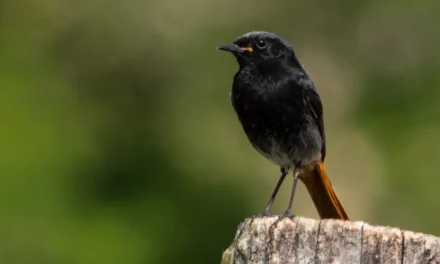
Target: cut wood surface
[276, 239]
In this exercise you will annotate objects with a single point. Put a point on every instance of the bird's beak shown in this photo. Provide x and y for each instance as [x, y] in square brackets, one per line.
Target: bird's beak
[234, 48]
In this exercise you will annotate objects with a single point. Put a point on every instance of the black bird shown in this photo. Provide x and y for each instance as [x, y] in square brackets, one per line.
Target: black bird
[282, 115]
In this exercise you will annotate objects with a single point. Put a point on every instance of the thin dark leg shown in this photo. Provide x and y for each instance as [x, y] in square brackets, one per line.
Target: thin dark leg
[296, 173]
[277, 187]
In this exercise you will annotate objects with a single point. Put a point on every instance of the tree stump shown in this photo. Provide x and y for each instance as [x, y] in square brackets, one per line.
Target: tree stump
[277, 239]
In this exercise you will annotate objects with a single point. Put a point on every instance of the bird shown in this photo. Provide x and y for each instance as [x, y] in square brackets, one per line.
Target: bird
[281, 114]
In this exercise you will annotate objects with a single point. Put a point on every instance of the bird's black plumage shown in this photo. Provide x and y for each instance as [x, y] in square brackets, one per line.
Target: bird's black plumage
[277, 103]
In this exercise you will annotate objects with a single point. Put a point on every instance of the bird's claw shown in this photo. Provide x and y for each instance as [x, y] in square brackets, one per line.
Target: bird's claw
[287, 214]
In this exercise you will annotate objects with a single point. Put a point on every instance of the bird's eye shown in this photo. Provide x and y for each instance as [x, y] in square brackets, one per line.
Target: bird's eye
[261, 43]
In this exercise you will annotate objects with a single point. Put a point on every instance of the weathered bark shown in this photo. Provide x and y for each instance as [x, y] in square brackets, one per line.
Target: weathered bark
[275, 239]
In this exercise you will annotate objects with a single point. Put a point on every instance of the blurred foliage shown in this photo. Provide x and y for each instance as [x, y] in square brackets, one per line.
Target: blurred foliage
[119, 144]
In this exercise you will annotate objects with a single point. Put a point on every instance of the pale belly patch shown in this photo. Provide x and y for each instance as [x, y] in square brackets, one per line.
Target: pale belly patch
[287, 159]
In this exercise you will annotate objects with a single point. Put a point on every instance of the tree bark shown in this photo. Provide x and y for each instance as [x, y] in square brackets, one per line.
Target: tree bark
[276, 239]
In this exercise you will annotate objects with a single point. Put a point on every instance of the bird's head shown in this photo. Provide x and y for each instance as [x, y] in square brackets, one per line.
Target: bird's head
[259, 47]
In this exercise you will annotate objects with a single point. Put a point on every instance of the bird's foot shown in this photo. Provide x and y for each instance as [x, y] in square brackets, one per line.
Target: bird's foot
[288, 214]
[263, 214]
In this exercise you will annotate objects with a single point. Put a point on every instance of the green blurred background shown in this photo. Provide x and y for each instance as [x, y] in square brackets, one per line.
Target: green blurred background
[118, 143]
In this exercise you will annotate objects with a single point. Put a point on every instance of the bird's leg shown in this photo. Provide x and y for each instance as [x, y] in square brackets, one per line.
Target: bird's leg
[296, 173]
[274, 193]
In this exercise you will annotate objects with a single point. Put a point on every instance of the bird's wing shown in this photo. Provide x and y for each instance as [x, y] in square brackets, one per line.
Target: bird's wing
[314, 104]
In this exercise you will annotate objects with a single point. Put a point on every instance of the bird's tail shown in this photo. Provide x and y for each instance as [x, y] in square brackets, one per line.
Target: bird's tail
[320, 189]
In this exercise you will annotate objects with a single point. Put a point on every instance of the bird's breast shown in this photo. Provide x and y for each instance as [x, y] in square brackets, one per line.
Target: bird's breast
[275, 122]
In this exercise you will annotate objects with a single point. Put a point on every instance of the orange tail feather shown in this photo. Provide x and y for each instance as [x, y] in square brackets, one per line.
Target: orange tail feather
[324, 197]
